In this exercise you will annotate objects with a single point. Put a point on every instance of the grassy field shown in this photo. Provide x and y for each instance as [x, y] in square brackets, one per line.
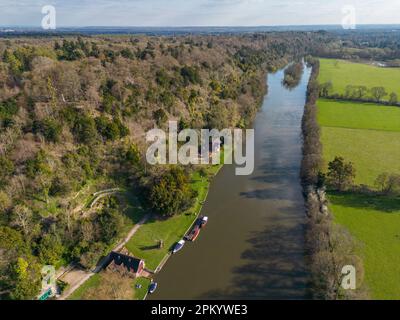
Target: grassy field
[140, 293]
[369, 136]
[375, 222]
[366, 134]
[343, 73]
[346, 114]
[93, 282]
[144, 242]
[372, 152]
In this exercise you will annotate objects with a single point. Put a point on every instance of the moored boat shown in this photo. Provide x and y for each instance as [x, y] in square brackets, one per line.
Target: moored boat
[152, 287]
[193, 234]
[203, 221]
[179, 245]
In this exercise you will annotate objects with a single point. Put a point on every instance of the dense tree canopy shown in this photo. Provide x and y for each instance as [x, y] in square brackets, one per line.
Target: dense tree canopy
[171, 193]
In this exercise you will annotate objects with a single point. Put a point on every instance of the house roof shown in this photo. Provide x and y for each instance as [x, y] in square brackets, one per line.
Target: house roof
[130, 263]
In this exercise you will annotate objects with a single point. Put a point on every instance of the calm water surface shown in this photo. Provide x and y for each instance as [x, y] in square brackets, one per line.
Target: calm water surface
[253, 244]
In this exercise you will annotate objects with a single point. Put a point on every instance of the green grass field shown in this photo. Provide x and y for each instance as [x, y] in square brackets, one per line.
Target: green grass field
[372, 152]
[140, 293]
[366, 134]
[343, 73]
[144, 242]
[375, 222]
[347, 114]
[369, 136]
[93, 282]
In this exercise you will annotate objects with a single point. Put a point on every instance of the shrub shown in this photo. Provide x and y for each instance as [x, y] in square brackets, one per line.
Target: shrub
[6, 168]
[110, 222]
[167, 99]
[388, 183]
[393, 98]
[127, 53]
[84, 129]
[37, 165]
[162, 78]
[90, 257]
[111, 130]
[60, 186]
[50, 249]
[49, 128]
[8, 108]
[190, 75]
[160, 116]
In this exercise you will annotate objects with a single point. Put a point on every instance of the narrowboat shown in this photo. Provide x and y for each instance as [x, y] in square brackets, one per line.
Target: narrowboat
[193, 234]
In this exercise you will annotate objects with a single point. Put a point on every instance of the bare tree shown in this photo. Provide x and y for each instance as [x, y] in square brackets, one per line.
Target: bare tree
[22, 217]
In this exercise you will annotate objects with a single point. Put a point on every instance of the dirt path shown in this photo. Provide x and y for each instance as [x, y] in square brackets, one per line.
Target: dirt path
[76, 277]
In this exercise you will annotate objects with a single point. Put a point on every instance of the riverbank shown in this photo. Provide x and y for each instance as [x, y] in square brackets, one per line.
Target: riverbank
[253, 246]
[173, 229]
[144, 244]
[329, 246]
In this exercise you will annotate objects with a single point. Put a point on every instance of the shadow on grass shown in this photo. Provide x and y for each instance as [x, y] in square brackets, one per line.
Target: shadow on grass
[377, 202]
[151, 247]
[133, 207]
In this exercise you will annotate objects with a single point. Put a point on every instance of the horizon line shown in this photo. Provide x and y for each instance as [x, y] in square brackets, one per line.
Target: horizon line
[199, 26]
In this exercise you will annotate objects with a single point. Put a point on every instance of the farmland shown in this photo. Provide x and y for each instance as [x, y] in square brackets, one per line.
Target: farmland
[352, 115]
[374, 221]
[342, 73]
[372, 152]
[368, 135]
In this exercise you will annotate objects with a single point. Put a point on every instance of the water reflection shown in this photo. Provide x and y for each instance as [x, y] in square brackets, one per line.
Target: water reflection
[253, 244]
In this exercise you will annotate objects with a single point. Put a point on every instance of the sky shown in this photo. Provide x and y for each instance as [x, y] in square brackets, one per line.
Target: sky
[197, 12]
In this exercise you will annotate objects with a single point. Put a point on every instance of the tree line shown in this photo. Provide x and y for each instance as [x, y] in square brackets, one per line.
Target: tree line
[329, 246]
[359, 93]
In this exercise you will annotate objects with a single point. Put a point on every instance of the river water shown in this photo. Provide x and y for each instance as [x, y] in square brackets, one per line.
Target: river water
[253, 244]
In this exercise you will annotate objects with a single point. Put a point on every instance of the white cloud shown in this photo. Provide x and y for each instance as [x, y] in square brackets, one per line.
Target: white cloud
[197, 12]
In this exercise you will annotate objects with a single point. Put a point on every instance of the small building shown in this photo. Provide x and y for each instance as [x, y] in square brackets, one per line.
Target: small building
[125, 263]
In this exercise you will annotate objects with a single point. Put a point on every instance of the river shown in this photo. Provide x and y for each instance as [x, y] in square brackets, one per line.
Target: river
[253, 244]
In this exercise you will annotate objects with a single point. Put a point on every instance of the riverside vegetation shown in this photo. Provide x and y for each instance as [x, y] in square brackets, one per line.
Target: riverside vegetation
[73, 114]
[365, 132]
[354, 156]
[329, 246]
